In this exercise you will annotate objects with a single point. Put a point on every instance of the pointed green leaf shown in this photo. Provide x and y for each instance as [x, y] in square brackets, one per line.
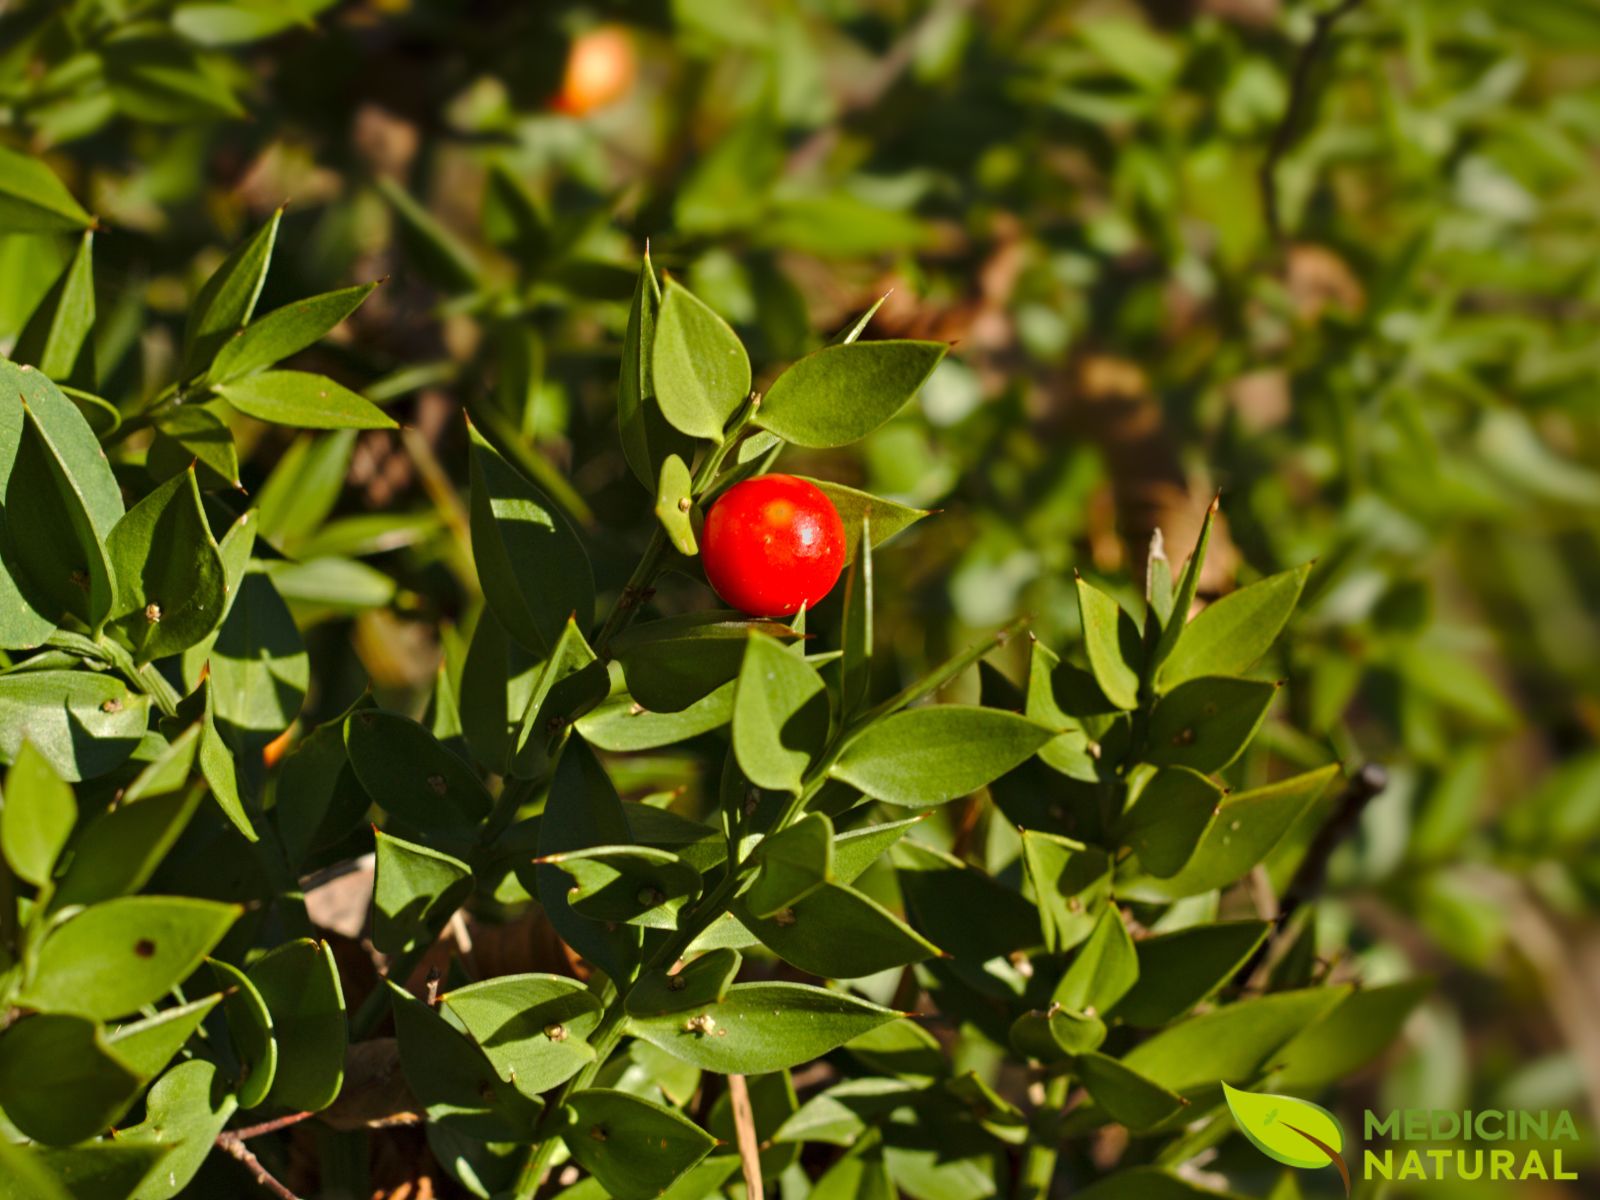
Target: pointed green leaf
[56, 337]
[184, 1112]
[37, 818]
[193, 434]
[533, 1028]
[303, 400]
[867, 517]
[647, 438]
[225, 303]
[673, 663]
[1230, 634]
[299, 983]
[221, 776]
[1108, 637]
[855, 851]
[415, 892]
[838, 933]
[839, 394]
[780, 716]
[410, 773]
[116, 957]
[699, 367]
[82, 723]
[637, 885]
[1349, 1036]
[1056, 1035]
[285, 331]
[171, 584]
[621, 723]
[436, 252]
[1167, 819]
[1071, 883]
[1178, 970]
[929, 755]
[454, 1080]
[572, 680]
[1245, 828]
[533, 568]
[162, 80]
[705, 980]
[1206, 723]
[251, 1032]
[633, 1147]
[1128, 1097]
[1183, 600]
[119, 850]
[855, 666]
[61, 1081]
[760, 1027]
[259, 668]
[1102, 971]
[33, 199]
[791, 864]
[147, 1046]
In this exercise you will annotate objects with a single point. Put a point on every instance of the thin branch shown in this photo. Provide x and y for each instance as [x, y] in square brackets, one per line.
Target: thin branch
[235, 1146]
[1288, 130]
[744, 1124]
[272, 1126]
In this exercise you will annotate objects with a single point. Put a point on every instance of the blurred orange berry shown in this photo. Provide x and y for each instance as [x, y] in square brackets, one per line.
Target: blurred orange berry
[600, 69]
[274, 750]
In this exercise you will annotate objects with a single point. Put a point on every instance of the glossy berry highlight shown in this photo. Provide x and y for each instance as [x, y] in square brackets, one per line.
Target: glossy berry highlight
[772, 544]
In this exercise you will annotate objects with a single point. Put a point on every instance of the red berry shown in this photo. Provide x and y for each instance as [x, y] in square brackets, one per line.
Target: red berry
[772, 544]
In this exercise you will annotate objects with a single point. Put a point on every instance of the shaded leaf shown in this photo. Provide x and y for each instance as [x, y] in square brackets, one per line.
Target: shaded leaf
[841, 393]
[415, 891]
[838, 933]
[33, 199]
[37, 818]
[410, 773]
[780, 715]
[299, 983]
[61, 1080]
[228, 297]
[56, 338]
[791, 864]
[533, 1028]
[633, 1147]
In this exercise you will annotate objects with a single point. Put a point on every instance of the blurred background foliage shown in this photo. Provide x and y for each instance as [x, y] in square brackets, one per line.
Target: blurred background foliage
[1334, 260]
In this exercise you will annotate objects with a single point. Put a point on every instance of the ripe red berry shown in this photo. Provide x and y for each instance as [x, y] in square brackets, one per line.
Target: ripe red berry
[771, 544]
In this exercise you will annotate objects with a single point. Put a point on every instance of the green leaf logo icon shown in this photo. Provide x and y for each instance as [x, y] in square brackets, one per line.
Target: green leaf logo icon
[1292, 1131]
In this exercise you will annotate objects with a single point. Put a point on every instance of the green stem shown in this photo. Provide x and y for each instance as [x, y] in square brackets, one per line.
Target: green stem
[1044, 1144]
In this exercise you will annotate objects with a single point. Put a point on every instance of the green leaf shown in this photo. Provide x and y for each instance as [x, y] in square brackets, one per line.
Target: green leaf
[118, 956]
[791, 864]
[533, 1028]
[855, 851]
[1109, 638]
[250, 1030]
[704, 980]
[1230, 634]
[647, 439]
[238, 22]
[1068, 752]
[839, 394]
[285, 331]
[883, 518]
[1348, 1037]
[621, 723]
[1232, 1042]
[33, 199]
[856, 328]
[929, 755]
[698, 365]
[1167, 819]
[147, 1046]
[572, 680]
[415, 891]
[184, 1112]
[37, 818]
[1178, 970]
[303, 400]
[1056, 1035]
[1183, 600]
[56, 337]
[1286, 1129]
[411, 774]
[24, 1176]
[82, 723]
[533, 568]
[61, 1081]
[456, 1083]
[1071, 883]
[436, 252]
[259, 669]
[636, 885]
[102, 415]
[855, 666]
[162, 80]
[674, 505]
[1244, 829]
[103, 1170]
[1127, 1097]
[837, 932]
[228, 297]
[299, 983]
[941, 893]
[780, 716]
[304, 487]
[196, 435]
[1104, 969]
[583, 810]
[119, 850]
[171, 584]
[762, 1027]
[633, 1147]
[671, 664]
[1206, 723]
